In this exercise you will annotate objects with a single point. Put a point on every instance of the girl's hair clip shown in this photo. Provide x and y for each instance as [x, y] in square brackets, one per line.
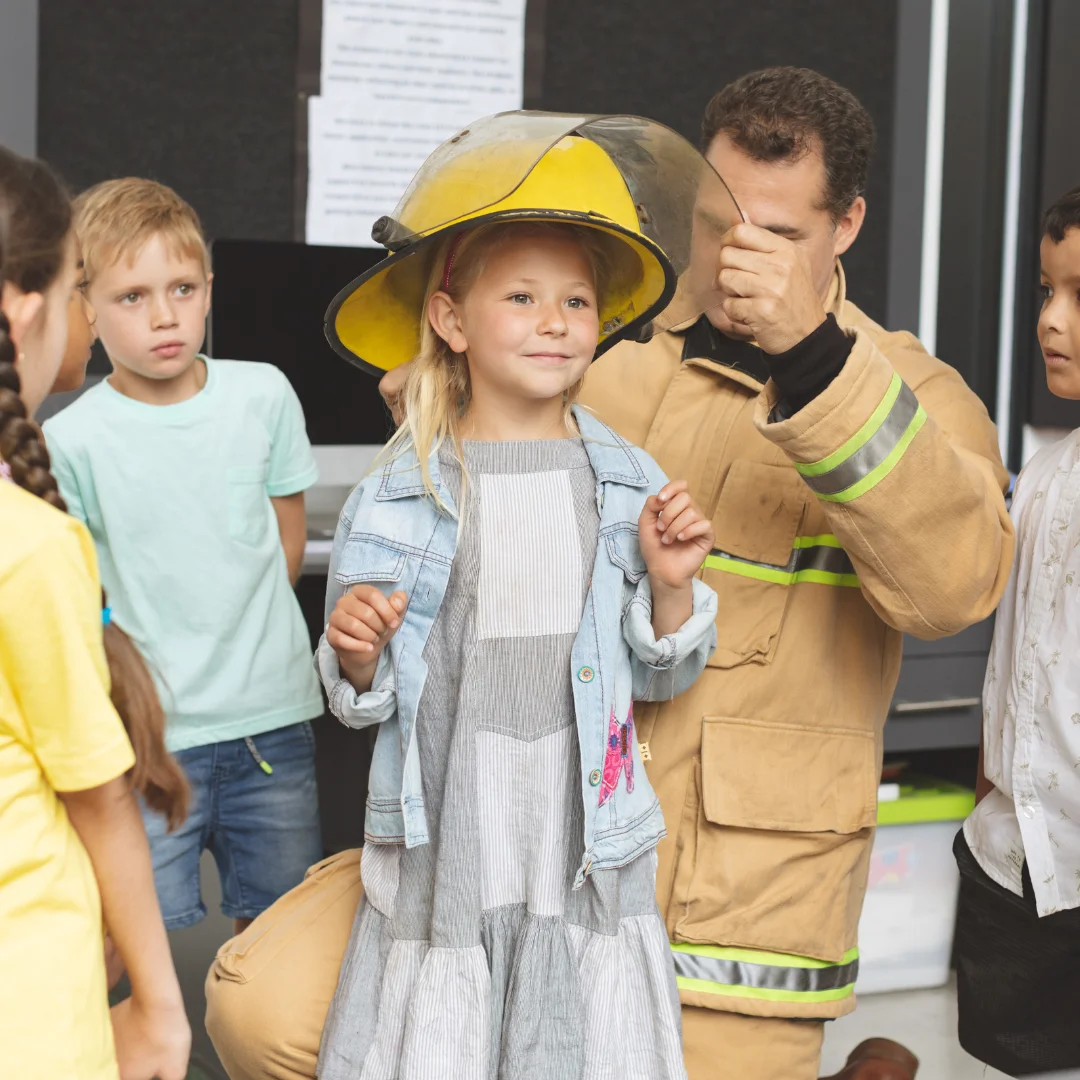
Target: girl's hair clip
[450, 256]
[106, 616]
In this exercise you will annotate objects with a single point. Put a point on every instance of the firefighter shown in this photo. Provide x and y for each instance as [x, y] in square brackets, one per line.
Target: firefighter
[855, 489]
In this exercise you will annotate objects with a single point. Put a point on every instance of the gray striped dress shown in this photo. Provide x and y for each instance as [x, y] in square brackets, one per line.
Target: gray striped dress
[471, 957]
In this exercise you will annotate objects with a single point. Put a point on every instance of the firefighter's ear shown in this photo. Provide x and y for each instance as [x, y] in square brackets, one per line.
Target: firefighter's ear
[847, 227]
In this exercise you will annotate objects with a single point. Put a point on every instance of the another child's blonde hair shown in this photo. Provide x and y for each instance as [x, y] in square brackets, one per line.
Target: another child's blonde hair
[116, 218]
[437, 392]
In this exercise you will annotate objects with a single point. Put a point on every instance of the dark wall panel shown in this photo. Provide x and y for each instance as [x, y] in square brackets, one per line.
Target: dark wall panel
[973, 190]
[666, 60]
[200, 95]
[203, 95]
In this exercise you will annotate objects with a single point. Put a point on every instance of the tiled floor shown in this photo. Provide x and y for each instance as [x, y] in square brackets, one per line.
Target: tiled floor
[924, 1021]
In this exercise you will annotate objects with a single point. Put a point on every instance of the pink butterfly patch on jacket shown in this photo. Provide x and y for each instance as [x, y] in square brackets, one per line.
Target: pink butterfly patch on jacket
[618, 756]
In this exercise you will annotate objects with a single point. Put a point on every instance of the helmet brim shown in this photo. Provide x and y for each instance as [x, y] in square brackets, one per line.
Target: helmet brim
[374, 321]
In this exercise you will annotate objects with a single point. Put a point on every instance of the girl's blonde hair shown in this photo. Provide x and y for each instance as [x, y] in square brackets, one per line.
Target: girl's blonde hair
[437, 392]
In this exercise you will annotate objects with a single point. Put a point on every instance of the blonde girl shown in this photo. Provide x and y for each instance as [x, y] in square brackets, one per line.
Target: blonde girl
[502, 589]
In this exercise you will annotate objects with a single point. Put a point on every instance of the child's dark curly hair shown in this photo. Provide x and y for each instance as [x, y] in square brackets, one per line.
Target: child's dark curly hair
[1062, 216]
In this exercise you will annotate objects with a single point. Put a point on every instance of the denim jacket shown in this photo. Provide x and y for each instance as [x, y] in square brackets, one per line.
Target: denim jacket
[392, 536]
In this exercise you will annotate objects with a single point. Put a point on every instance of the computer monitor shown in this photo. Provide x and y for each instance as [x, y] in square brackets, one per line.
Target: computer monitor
[269, 301]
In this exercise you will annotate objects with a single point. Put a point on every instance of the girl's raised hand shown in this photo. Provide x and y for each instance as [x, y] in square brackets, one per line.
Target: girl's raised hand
[361, 624]
[674, 535]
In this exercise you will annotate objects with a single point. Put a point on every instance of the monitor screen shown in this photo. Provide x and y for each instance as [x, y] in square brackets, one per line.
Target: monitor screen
[268, 304]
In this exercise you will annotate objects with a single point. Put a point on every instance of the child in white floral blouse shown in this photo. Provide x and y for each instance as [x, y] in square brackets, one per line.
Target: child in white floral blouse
[1018, 934]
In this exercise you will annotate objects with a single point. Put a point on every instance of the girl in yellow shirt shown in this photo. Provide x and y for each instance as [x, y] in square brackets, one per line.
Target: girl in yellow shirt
[73, 846]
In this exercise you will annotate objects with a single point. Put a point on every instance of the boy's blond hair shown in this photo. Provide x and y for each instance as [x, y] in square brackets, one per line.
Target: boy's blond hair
[116, 218]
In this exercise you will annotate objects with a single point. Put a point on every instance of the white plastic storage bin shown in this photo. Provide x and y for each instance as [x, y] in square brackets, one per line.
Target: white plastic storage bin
[906, 929]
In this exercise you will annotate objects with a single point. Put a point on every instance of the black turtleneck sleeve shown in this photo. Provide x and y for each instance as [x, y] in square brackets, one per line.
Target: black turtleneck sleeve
[806, 370]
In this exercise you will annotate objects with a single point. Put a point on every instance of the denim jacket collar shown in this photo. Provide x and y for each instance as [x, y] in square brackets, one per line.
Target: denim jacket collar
[611, 456]
[402, 479]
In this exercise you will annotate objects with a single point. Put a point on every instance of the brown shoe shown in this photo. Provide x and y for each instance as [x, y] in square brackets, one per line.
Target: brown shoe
[878, 1059]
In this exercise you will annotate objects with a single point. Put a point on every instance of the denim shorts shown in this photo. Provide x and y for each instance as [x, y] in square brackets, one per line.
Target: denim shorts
[262, 828]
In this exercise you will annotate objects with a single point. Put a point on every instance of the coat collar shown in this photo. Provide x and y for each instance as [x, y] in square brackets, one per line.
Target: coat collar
[612, 458]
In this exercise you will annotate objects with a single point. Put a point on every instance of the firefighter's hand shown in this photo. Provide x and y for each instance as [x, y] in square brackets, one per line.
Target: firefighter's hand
[674, 536]
[362, 623]
[392, 386]
[768, 291]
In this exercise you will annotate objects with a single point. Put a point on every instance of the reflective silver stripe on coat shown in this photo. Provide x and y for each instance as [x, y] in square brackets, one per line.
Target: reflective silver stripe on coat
[874, 451]
[829, 560]
[765, 976]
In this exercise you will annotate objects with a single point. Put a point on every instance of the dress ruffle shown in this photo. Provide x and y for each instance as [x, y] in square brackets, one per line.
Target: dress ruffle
[540, 999]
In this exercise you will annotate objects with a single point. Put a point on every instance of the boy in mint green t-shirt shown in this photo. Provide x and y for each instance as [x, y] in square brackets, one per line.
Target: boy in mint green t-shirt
[190, 474]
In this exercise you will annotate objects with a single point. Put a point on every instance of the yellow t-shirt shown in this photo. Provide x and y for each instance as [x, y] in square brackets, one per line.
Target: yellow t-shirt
[58, 732]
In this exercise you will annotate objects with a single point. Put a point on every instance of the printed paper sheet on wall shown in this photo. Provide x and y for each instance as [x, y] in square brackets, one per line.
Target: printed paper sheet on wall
[398, 78]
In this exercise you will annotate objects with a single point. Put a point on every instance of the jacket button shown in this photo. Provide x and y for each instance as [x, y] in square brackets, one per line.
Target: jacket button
[586, 674]
[594, 777]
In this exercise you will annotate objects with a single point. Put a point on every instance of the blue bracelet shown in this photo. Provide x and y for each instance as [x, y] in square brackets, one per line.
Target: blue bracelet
[106, 616]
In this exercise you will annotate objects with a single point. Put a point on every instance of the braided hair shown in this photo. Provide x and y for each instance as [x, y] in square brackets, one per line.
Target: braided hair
[35, 219]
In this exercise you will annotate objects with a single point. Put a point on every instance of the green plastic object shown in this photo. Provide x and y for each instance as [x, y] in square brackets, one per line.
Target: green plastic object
[924, 798]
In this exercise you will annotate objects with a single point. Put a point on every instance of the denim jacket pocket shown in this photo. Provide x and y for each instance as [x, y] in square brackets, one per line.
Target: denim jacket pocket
[625, 552]
[369, 559]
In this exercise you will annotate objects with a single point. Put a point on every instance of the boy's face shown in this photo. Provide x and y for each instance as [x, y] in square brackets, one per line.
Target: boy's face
[1059, 320]
[151, 310]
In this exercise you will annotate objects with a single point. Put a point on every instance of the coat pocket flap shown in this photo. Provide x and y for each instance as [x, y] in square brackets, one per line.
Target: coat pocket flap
[783, 777]
[758, 514]
[366, 559]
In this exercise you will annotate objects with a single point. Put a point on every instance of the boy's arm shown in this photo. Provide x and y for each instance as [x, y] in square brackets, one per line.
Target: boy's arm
[292, 527]
[292, 472]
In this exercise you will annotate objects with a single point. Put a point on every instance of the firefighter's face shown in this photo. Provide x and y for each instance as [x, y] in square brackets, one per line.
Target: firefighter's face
[787, 198]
